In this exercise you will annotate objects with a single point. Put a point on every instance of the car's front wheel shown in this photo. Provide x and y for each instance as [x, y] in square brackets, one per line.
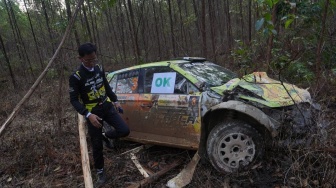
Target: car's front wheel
[234, 145]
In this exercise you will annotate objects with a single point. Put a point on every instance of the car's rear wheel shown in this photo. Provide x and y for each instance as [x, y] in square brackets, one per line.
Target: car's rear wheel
[234, 145]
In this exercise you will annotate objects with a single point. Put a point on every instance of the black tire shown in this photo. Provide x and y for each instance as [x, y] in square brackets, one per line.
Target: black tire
[234, 145]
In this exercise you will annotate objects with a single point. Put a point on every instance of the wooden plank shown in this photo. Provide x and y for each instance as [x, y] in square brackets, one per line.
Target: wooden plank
[138, 165]
[84, 153]
[186, 175]
[137, 149]
[155, 176]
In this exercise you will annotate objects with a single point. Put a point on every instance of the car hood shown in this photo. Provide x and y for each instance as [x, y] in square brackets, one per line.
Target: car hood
[258, 87]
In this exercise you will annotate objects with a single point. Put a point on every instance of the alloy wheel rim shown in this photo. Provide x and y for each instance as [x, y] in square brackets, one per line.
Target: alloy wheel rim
[236, 149]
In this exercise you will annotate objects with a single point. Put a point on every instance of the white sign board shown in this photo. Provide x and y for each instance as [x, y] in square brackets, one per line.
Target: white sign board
[163, 82]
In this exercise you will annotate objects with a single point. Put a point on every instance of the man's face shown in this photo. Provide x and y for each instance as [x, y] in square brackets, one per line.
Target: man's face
[89, 60]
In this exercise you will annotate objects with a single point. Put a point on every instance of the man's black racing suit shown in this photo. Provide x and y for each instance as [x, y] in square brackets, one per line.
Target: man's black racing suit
[91, 87]
[91, 93]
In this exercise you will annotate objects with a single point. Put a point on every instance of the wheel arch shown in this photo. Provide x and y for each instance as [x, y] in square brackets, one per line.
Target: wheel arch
[235, 110]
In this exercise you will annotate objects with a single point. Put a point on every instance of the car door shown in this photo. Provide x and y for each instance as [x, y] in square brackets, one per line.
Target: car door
[169, 108]
[125, 85]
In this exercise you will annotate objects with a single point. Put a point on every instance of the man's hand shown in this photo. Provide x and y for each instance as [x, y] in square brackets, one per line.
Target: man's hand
[94, 119]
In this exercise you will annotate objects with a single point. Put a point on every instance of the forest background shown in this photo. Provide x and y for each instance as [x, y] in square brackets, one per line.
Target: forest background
[294, 41]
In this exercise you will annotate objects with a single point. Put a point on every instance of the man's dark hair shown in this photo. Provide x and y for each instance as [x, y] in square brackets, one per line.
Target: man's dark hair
[86, 49]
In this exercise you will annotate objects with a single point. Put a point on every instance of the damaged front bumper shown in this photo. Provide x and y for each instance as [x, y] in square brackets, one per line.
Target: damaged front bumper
[296, 124]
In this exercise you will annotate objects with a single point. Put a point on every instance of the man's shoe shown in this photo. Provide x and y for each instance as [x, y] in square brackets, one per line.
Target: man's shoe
[101, 178]
[109, 144]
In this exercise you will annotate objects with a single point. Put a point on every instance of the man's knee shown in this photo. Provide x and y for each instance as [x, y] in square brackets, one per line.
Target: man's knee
[125, 132]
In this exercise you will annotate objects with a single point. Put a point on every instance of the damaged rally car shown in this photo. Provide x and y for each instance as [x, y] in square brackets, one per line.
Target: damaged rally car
[195, 104]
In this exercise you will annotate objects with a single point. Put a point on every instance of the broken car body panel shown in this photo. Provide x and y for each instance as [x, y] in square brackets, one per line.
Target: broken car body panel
[269, 92]
[251, 111]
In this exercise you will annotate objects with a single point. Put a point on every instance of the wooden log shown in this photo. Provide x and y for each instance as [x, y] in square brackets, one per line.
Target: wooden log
[137, 149]
[186, 175]
[138, 165]
[84, 153]
[155, 176]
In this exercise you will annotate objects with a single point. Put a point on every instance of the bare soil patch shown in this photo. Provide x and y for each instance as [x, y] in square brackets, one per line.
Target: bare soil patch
[41, 149]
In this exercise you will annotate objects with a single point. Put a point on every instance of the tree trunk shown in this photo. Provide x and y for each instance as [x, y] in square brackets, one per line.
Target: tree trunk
[221, 27]
[14, 34]
[122, 30]
[87, 24]
[133, 31]
[189, 39]
[94, 33]
[203, 30]
[112, 44]
[48, 26]
[212, 21]
[195, 5]
[68, 9]
[157, 35]
[228, 26]
[33, 33]
[321, 40]
[183, 42]
[143, 25]
[20, 40]
[241, 18]
[249, 21]
[270, 39]
[7, 61]
[172, 27]
[164, 35]
[39, 79]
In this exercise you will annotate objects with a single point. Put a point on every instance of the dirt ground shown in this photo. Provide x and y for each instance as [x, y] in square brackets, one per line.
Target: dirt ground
[39, 149]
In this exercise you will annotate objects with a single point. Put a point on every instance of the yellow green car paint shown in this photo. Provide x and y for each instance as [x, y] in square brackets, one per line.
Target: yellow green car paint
[270, 92]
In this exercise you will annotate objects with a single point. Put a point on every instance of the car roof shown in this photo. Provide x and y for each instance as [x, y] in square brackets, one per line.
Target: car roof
[163, 63]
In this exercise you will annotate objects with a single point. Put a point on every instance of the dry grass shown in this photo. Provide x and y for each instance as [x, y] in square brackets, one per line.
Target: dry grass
[37, 151]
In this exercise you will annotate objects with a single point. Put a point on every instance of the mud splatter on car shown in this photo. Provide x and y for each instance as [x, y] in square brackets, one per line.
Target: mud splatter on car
[195, 104]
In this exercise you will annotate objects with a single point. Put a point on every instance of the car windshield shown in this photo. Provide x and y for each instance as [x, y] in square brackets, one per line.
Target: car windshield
[210, 73]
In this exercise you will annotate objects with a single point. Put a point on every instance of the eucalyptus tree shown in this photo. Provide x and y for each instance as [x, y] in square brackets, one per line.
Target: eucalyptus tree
[34, 35]
[7, 61]
[16, 18]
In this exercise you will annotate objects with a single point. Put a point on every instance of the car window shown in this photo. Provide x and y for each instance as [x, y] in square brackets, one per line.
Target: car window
[192, 88]
[149, 75]
[159, 77]
[183, 86]
[210, 73]
[126, 82]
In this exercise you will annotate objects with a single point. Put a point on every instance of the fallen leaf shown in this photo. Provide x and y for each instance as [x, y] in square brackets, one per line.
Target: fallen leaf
[154, 164]
[304, 183]
[315, 182]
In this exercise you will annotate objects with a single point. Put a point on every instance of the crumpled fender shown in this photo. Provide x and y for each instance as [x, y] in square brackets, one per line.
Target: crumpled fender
[249, 110]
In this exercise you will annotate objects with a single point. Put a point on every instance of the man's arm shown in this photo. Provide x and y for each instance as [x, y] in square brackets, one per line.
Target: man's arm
[80, 108]
[74, 96]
